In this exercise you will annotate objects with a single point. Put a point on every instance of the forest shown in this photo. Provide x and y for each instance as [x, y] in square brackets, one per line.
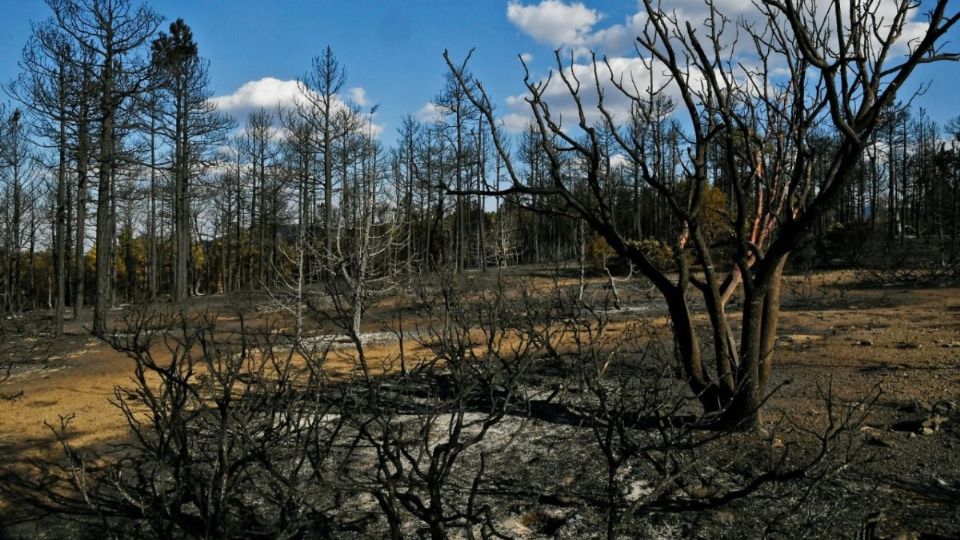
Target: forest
[717, 298]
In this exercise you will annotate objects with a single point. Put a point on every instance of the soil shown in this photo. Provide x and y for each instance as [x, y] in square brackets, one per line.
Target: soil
[900, 342]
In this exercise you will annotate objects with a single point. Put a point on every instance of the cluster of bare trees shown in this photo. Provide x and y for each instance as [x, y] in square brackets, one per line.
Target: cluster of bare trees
[112, 103]
[124, 184]
[303, 178]
[20, 231]
[905, 186]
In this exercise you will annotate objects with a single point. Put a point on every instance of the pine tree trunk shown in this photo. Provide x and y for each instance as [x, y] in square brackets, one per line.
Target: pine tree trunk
[104, 224]
[60, 232]
[152, 218]
[180, 210]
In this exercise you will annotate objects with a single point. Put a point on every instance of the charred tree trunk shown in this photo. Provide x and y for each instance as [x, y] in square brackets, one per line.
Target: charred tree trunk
[152, 255]
[105, 231]
[79, 275]
[60, 232]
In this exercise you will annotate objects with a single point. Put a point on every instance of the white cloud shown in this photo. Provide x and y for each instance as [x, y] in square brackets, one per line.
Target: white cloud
[516, 122]
[270, 93]
[571, 25]
[359, 96]
[553, 21]
[526, 57]
[619, 160]
[267, 92]
[576, 26]
[429, 113]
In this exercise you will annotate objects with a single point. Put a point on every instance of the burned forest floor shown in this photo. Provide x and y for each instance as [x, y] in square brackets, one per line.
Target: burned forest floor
[891, 351]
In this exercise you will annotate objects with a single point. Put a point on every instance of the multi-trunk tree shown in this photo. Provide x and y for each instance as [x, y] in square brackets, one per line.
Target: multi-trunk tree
[843, 65]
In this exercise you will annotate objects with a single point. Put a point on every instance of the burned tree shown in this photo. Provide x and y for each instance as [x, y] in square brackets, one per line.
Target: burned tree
[194, 126]
[45, 88]
[843, 64]
[320, 89]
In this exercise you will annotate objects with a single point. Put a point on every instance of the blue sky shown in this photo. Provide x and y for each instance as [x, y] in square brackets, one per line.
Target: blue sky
[392, 49]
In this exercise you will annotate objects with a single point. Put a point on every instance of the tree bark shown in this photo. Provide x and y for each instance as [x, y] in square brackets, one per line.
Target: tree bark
[105, 230]
[60, 234]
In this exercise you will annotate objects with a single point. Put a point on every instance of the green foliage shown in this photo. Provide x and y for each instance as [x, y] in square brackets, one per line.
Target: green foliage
[659, 253]
[598, 252]
[714, 220]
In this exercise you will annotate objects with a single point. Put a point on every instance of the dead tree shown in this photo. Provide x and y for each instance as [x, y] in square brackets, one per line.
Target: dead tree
[84, 111]
[320, 88]
[650, 453]
[46, 89]
[215, 419]
[366, 225]
[193, 125]
[429, 427]
[843, 68]
[458, 113]
[260, 146]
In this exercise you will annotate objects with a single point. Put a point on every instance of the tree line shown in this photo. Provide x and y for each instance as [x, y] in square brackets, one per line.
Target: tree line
[122, 182]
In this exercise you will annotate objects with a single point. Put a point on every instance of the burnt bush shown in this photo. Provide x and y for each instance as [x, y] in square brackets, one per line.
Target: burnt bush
[516, 410]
